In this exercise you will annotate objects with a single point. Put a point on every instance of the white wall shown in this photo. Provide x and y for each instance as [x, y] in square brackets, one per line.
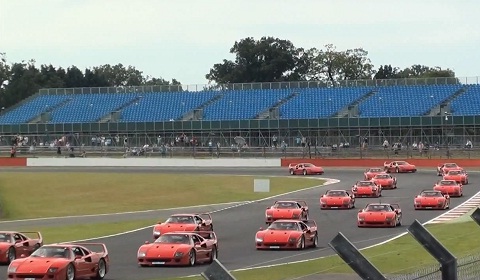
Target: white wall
[144, 162]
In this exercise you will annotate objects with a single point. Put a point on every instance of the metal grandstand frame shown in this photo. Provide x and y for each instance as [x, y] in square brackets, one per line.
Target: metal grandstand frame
[454, 130]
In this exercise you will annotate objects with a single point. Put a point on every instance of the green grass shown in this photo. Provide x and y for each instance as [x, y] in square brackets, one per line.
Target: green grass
[85, 231]
[35, 195]
[400, 256]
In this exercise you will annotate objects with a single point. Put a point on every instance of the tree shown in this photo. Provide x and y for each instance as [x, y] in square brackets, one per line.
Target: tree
[386, 72]
[74, 78]
[422, 71]
[266, 60]
[335, 66]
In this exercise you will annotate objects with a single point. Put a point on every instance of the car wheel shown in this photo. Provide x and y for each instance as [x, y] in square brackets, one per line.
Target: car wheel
[102, 270]
[301, 246]
[397, 170]
[315, 241]
[211, 227]
[12, 255]
[192, 258]
[399, 223]
[213, 254]
[304, 172]
[70, 272]
[447, 205]
[292, 172]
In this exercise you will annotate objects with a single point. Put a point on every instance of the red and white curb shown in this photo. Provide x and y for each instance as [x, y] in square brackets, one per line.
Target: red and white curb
[458, 211]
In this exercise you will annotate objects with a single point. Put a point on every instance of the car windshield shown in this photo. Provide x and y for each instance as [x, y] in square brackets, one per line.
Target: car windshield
[308, 165]
[180, 220]
[336, 193]
[431, 194]
[447, 183]
[174, 239]
[378, 208]
[382, 176]
[365, 183]
[450, 165]
[5, 237]
[285, 205]
[376, 170]
[454, 172]
[283, 226]
[51, 252]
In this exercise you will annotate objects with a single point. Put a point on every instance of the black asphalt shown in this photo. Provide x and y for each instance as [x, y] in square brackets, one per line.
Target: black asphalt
[236, 226]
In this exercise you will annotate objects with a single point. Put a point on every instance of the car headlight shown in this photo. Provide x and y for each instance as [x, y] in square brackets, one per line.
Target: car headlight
[141, 254]
[52, 269]
[12, 269]
[258, 239]
[269, 216]
[156, 232]
[361, 219]
[178, 255]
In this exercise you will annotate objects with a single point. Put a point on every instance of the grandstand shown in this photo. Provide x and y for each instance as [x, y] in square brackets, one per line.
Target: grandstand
[285, 103]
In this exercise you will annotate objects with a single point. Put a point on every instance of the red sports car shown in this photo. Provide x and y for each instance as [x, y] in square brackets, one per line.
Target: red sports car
[399, 167]
[460, 176]
[450, 187]
[380, 215]
[385, 180]
[14, 244]
[429, 199]
[337, 199]
[288, 234]
[184, 222]
[372, 172]
[179, 248]
[366, 189]
[305, 169]
[62, 261]
[295, 210]
[444, 168]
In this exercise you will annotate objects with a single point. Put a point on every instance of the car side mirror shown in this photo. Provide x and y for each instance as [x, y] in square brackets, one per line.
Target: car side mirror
[147, 242]
[261, 228]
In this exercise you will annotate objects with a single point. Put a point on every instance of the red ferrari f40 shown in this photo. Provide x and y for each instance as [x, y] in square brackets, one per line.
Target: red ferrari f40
[288, 234]
[287, 209]
[184, 222]
[337, 199]
[14, 244]
[366, 189]
[450, 187]
[428, 199]
[399, 167]
[305, 169]
[380, 215]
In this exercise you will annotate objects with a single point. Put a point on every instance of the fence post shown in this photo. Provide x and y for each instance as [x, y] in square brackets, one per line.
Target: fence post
[476, 215]
[354, 258]
[446, 259]
[216, 271]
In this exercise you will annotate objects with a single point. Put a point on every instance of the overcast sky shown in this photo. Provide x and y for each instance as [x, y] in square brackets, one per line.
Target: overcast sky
[182, 39]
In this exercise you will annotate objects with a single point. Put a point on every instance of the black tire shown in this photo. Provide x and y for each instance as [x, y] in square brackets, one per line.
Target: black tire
[213, 254]
[397, 170]
[302, 243]
[304, 172]
[292, 172]
[70, 272]
[12, 255]
[102, 270]
[192, 259]
[399, 222]
[315, 241]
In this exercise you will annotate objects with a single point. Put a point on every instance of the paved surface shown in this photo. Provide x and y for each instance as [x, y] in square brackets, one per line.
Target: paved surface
[236, 226]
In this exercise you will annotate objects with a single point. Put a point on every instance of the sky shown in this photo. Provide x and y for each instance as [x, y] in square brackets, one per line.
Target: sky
[183, 39]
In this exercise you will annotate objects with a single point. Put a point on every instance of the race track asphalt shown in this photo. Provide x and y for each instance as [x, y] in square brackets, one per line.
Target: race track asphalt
[236, 225]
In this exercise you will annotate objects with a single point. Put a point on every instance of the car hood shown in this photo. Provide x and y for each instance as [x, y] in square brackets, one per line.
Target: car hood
[375, 216]
[40, 265]
[283, 213]
[164, 228]
[279, 236]
[383, 180]
[438, 187]
[164, 250]
[335, 200]
[428, 199]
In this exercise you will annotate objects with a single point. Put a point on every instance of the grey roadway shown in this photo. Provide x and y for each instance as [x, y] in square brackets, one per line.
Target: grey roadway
[236, 226]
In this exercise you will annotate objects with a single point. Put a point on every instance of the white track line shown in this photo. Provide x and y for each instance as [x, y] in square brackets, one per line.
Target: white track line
[328, 181]
[469, 204]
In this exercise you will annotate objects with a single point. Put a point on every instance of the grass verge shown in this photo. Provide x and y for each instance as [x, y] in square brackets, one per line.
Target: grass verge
[36, 195]
[86, 231]
[400, 256]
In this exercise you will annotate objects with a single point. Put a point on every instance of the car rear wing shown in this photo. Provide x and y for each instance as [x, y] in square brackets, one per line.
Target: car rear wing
[205, 216]
[210, 235]
[395, 205]
[99, 248]
[292, 165]
[310, 223]
[33, 235]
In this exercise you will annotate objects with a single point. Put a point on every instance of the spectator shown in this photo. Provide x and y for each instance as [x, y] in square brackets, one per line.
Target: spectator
[13, 152]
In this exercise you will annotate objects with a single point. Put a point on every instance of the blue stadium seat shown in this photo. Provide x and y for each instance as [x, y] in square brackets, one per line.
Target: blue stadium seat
[405, 101]
[244, 104]
[467, 104]
[315, 103]
[33, 108]
[90, 107]
[164, 106]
